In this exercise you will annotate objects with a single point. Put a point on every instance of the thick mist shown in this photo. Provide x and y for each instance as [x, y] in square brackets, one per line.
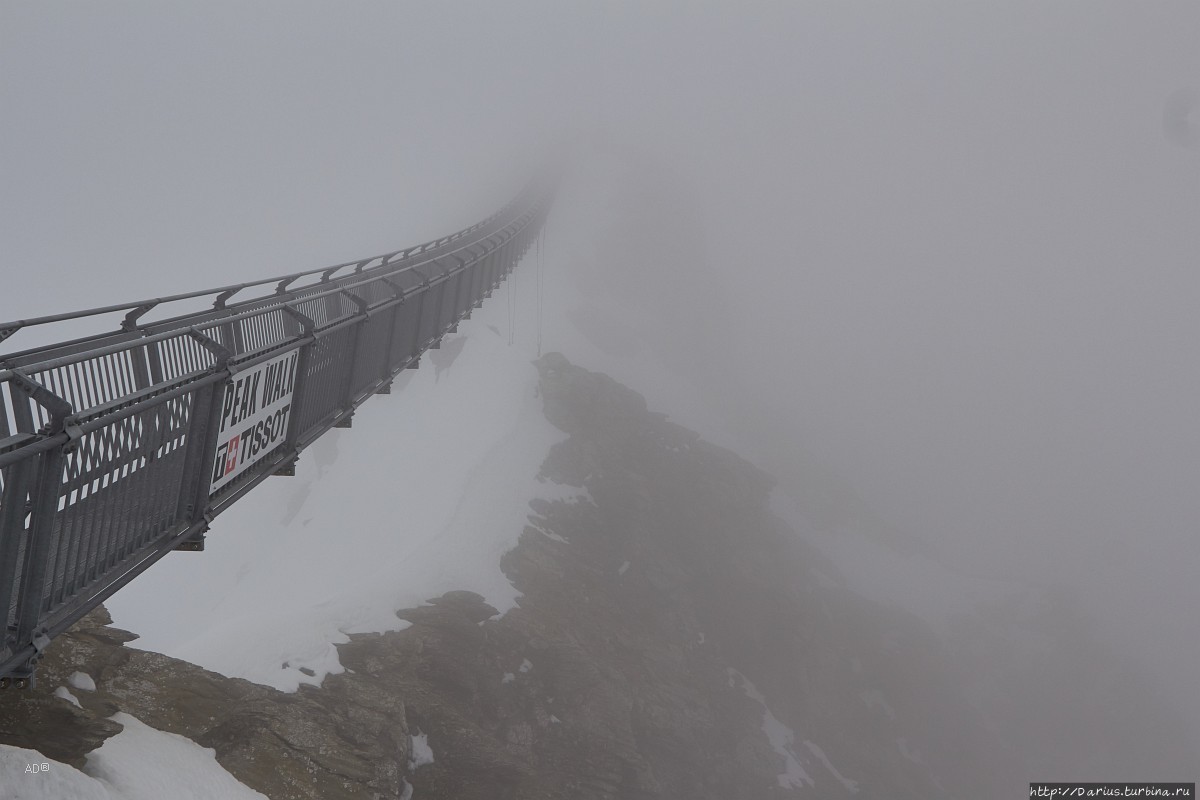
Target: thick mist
[958, 248]
[947, 252]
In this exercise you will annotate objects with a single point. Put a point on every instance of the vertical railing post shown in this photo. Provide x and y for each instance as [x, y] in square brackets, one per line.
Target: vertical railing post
[147, 371]
[510, 254]
[308, 333]
[353, 356]
[418, 346]
[202, 443]
[17, 481]
[32, 592]
[141, 367]
[5, 430]
[479, 277]
[439, 312]
[478, 271]
[497, 271]
[47, 486]
[500, 269]
[22, 413]
[489, 268]
[473, 268]
[231, 336]
[398, 295]
[237, 337]
[456, 303]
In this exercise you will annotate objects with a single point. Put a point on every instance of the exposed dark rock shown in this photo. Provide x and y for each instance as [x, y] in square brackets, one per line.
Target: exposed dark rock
[309, 744]
[611, 679]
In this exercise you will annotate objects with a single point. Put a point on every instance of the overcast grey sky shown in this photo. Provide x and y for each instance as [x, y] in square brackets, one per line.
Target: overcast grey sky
[959, 249]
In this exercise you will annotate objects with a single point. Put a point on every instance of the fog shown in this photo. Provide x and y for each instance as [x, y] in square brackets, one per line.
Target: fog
[946, 252]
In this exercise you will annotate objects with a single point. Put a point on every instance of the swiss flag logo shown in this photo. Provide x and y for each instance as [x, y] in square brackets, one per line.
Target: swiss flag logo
[231, 455]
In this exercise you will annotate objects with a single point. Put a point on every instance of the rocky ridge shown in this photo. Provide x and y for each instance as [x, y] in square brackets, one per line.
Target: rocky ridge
[674, 640]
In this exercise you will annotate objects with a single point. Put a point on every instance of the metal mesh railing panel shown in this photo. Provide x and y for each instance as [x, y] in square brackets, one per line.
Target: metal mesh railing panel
[115, 450]
[325, 388]
[373, 341]
[121, 488]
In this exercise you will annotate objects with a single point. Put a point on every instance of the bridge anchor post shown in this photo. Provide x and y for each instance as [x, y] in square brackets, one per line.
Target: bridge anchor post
[24, 676]
[195, 545]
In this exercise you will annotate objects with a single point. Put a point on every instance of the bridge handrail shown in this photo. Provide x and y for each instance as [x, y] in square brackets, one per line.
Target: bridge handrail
[116, 449]
[222, 294]
[142, 338]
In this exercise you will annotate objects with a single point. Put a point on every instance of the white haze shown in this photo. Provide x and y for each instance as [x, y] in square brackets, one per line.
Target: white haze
[954, 244]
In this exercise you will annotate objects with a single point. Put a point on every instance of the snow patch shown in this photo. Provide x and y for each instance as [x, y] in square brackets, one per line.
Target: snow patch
[82, 681]
[65, 694]
[141, 763]
[508, 678]
[550, 535]
[781, 737]
[58, 782]
[420, 753]
[849, 785]
[526, 665]
[623, 569]
[564, 492]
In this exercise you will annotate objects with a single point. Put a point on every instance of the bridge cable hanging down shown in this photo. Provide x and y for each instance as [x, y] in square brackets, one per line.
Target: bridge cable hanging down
[119, 448]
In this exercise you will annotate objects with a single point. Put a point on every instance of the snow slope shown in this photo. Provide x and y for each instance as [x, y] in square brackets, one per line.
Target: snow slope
[139, 763]
[423, 496]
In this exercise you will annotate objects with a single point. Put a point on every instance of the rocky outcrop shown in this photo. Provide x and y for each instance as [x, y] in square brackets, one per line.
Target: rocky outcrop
[309, 744]
[674, 639]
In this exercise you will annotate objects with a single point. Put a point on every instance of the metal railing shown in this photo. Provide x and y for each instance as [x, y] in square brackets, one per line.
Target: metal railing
[118, 448]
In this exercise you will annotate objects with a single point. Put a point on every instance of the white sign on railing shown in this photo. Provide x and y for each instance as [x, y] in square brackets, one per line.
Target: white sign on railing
[254, 416]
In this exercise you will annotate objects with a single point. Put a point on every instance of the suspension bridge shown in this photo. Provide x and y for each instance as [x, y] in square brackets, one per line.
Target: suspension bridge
[119, 448]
